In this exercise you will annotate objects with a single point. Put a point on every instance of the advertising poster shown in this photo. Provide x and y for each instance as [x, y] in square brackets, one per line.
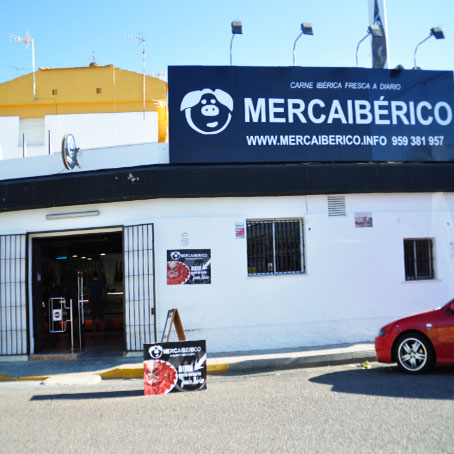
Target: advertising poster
[188, 266]
[363, 220]
[174, 367]
[295, 114]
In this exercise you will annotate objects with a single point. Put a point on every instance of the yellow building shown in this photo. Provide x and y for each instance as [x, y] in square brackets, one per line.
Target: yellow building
[84, 90]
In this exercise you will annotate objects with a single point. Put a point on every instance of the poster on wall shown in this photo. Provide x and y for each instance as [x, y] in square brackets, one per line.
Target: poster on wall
[188, 266]
[296, 114]
[174, 366]
[363, 220]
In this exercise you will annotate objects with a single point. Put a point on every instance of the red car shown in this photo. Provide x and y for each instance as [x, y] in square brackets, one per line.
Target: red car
[420, 341]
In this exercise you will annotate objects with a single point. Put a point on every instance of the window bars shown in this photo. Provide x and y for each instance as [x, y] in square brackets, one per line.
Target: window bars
[275, 247]
[419, 260]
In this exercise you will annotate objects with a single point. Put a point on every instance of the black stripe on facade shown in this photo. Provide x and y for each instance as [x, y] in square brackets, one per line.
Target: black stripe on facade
[227, 180]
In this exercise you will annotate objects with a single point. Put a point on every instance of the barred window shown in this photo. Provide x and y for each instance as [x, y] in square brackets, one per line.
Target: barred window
[419, 261]
[275, 247]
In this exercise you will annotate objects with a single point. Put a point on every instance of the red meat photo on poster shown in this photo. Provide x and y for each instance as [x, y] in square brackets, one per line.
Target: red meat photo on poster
[160, 377]
[177, 273]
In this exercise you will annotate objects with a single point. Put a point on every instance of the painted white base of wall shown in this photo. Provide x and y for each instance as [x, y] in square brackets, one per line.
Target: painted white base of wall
[271, 337]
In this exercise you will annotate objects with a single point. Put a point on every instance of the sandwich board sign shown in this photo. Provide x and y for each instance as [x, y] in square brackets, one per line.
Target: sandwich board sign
[174, 367]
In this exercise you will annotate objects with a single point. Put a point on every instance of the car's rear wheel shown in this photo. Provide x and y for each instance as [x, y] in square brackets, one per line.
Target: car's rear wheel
[414, 353]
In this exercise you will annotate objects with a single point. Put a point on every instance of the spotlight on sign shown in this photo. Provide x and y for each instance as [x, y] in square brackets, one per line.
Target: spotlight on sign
[436, 32]
[306, 29]
[374, 31]
[237, 29]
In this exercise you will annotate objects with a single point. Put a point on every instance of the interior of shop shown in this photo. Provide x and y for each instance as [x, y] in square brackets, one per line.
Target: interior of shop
[85, 272]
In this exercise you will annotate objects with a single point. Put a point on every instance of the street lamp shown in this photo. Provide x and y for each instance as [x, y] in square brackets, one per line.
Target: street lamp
[306, 29]
[237, 29]
[372, 30]
[434, 31]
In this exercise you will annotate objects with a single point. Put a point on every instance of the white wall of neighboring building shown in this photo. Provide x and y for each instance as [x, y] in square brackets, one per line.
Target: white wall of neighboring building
[354, 280]
[89, 159]
[90, 130]
[9, 138]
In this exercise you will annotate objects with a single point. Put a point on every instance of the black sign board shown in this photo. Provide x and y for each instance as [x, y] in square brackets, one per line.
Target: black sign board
[188, 266]
[174, 366]
[295, 114]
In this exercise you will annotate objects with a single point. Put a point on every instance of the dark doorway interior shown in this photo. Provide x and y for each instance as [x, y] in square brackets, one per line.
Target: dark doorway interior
[56, 263]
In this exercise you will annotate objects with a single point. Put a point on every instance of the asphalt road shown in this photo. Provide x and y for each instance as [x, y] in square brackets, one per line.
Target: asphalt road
[343, 409]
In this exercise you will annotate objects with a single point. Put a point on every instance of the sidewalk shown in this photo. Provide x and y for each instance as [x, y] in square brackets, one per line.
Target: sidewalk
[115, 366]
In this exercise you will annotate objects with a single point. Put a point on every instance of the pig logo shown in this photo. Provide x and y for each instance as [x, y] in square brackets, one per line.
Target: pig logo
[207, 111]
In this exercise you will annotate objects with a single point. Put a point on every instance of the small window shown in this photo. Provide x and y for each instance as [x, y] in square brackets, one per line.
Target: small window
[31, 130]
[99, 90]
[275, 247]
[54, 92]
[419, 261]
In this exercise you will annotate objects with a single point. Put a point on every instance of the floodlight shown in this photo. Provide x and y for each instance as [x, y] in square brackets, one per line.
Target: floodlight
[437, 32]
[306, 29]
[237, 29]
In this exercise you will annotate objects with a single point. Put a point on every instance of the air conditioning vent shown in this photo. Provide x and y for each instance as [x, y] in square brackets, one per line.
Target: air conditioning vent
[336, 205]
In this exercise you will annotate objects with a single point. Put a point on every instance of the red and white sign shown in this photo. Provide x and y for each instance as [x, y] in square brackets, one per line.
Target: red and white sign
[57, 315]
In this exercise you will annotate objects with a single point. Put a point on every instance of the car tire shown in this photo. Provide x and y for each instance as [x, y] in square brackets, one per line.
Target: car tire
[414, 353]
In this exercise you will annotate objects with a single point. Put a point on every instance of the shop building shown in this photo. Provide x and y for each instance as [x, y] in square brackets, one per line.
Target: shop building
[255, 252]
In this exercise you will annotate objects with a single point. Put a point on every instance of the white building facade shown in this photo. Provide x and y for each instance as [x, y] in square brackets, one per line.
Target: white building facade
[253, 255]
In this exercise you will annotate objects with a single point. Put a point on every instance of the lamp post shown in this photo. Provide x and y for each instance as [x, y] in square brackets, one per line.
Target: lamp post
[372, 30]
[437, 32]
[306, 29]
[237, 29]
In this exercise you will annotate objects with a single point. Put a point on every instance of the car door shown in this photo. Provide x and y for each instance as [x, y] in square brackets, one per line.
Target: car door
[445, 332]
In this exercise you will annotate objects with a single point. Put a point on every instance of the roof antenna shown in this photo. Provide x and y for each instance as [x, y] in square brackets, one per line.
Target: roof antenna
[142, 40]
[93, 62]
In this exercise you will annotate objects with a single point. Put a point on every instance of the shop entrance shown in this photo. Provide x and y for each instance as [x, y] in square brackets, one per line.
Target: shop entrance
[86, 269]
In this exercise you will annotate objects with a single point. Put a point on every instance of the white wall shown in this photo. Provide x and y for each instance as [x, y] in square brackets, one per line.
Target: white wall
[9, 138]
[89, 159]
[354, 281]
[90, 130]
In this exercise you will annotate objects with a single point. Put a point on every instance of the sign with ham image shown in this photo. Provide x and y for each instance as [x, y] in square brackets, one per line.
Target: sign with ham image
[188, 266]
[174, 367]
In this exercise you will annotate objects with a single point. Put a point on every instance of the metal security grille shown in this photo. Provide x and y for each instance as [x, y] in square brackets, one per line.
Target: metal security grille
[139, 286]
[13, 298]
[419, 261]
[275, 247]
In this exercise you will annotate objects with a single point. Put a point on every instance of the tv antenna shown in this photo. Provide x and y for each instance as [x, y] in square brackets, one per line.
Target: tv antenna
[18, 69]
[142, 40]
[29, 40]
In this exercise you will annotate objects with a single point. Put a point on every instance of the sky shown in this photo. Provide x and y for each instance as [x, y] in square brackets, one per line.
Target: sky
[198, 32]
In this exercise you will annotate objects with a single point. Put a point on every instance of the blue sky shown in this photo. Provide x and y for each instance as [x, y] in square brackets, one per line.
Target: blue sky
[198, 32]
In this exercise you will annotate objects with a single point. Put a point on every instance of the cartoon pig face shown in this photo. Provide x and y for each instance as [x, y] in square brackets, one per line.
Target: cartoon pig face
[207, 111]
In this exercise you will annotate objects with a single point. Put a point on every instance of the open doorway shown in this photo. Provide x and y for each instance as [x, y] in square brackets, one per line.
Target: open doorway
[56, 263]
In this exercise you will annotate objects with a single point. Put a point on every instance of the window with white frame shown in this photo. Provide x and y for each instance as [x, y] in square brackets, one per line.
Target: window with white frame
[275, 247]
[419, 259]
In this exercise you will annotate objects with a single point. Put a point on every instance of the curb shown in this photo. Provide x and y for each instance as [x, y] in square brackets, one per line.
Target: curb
[298, 362]
[119, 372]
[240, 366]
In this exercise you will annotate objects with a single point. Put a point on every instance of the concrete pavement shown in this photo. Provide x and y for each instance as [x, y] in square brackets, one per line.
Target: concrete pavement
[117, 366]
